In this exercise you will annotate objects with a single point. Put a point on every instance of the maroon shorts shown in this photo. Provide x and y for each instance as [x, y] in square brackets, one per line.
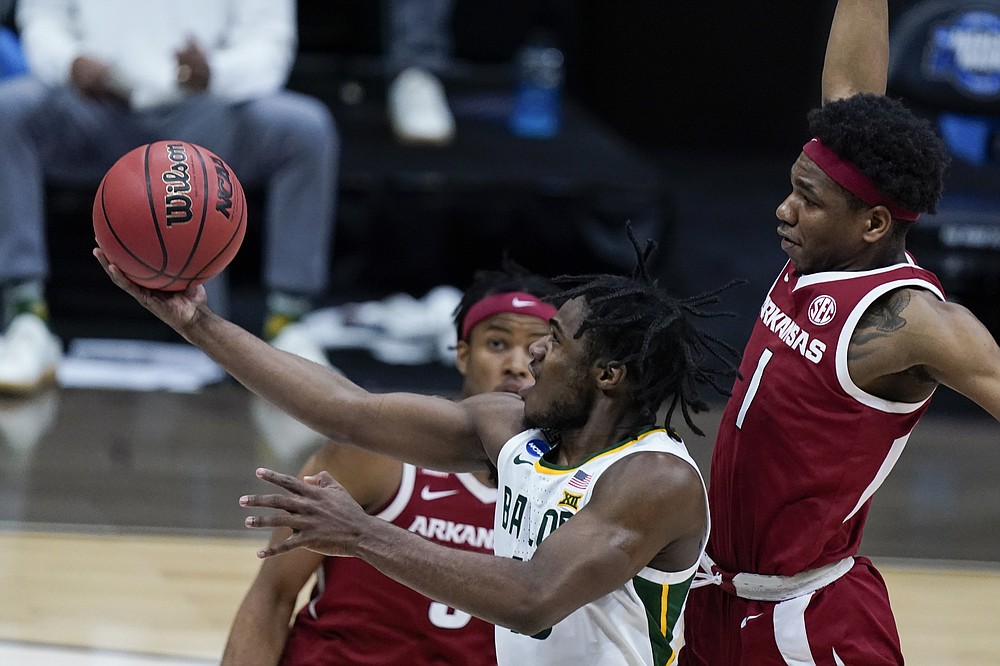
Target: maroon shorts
[847, 622]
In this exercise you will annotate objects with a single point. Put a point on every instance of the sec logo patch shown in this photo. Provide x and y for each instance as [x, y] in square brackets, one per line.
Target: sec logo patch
[822, 310]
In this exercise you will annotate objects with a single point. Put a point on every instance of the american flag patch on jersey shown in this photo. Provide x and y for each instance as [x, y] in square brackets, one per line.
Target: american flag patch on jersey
[580, 480]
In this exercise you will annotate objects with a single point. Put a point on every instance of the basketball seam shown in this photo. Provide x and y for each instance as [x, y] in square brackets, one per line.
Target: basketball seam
[236, 231]
[152, 212]
[111, 228]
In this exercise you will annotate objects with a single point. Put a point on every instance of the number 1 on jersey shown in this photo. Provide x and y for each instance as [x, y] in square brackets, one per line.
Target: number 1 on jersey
[754, 385]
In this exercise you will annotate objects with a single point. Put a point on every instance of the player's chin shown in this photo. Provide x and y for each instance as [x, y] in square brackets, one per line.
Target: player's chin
[532, 415]
[802, 265]
[789, 248]
[794, 255]
[525, 391]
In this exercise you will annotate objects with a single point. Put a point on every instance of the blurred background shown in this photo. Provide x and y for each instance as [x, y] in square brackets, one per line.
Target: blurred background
[683, 118]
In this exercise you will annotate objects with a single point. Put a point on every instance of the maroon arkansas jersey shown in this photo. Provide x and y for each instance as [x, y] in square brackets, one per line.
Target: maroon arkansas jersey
[359, 616]
[801, 449]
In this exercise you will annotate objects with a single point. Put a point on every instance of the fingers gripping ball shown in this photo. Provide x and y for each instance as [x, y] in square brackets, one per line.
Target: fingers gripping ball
[170, 214]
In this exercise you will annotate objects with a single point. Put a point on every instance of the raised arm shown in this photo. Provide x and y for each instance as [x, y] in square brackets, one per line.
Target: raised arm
[427, 431]
[857, 52]
[648, 509]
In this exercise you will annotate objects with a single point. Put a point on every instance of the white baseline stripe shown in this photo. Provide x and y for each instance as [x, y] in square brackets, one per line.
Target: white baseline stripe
[50, 655]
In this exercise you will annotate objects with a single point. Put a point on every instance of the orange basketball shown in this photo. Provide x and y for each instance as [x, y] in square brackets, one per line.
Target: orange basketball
[170, 214]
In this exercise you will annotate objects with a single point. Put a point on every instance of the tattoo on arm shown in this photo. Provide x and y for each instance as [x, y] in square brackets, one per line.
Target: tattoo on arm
[882, 319]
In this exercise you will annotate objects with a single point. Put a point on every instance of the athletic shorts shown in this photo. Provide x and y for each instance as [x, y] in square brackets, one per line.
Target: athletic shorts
[848, 622]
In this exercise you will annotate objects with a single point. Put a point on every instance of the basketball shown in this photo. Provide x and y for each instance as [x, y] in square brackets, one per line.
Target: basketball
[170, 214]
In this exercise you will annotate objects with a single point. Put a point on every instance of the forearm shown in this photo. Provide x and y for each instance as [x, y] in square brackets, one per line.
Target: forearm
[299, 387]
[857, 53]
[594, 553]
[502, 591]
[423, 430]
[259, 631]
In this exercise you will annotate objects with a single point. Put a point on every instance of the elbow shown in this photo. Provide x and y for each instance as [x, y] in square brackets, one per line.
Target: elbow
[534, 613]
[528, 627]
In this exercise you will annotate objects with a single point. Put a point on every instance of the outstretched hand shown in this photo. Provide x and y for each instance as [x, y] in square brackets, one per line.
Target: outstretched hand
[323, 517]
[176, 308]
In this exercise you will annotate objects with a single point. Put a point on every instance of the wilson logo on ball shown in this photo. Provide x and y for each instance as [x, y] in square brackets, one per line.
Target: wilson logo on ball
[178, 183]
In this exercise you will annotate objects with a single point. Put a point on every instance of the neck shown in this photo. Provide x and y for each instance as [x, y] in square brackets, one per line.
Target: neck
[893, 254]
[578, 444]
[877, 258]
[881, 260]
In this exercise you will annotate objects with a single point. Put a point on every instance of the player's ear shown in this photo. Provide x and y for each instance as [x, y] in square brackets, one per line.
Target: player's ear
[877, 224]
[611, 375]
[462, 351]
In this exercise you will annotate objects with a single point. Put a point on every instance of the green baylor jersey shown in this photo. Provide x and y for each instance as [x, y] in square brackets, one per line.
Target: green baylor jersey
[639, 623]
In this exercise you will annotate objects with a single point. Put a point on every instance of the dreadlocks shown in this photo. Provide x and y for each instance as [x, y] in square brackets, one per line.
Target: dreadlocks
[633, 322]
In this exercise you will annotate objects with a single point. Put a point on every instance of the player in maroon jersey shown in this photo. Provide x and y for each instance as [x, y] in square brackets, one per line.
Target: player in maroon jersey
[849, 346]
[357, 615]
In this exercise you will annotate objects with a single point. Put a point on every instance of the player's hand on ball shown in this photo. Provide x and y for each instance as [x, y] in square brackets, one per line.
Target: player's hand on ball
[323, 517]
[176, 308]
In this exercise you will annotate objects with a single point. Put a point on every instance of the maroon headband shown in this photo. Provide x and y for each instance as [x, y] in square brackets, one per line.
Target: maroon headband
[516, 302]
[851, 179]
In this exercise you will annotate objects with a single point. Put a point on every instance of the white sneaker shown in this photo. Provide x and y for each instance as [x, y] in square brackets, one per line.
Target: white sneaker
[418, 109]
[24, 421]
[286, 439]
[295, 339]
[29, 356]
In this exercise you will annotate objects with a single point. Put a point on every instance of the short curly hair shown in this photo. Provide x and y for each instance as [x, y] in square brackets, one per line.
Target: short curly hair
[898, 151]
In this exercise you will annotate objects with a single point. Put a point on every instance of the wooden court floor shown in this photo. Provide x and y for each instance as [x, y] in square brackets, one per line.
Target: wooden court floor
[121, 539]
[174, 596]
